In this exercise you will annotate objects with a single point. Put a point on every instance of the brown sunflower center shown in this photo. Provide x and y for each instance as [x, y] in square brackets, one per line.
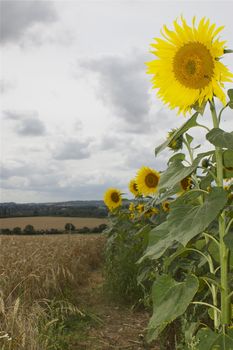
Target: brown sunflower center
[193, 65]
[115, 197]
[186, 183]
[151, 180]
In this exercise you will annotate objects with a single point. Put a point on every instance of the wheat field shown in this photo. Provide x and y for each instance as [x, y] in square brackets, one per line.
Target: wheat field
[39, 279]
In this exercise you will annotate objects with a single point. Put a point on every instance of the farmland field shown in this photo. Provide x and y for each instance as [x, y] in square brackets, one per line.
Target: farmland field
[52, 297]
[49, 222]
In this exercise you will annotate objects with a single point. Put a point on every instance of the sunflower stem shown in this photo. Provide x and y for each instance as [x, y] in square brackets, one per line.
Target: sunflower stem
[223, 250]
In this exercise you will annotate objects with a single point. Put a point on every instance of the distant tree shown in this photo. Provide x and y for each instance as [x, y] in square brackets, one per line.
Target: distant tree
[69, 227]
[17, 231]
[84, 229]
[5, 231]
[29, 230]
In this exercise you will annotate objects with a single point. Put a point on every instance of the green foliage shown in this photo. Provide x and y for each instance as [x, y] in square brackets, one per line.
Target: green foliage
[220, 138]
[170, 300]
[123, 249]
[209, 340]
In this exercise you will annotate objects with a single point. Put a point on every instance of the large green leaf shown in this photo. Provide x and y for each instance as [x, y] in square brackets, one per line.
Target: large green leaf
[177, 172]
[220, 138]
[159, 241]
[184, 222]
[209, 340]
[185, 127]
[170, 300]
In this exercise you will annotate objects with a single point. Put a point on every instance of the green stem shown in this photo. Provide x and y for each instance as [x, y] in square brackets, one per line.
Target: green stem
[223, 250]
[206, 304]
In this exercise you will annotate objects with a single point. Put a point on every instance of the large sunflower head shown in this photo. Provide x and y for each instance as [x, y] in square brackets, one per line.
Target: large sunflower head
[147, 181]
[187, 70]
[133, 187]
[112, 198]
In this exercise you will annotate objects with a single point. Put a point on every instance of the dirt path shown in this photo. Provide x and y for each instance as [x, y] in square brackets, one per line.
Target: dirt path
[114, 327]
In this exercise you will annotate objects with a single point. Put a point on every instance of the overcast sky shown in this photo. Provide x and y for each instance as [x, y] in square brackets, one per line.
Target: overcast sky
[78, 114]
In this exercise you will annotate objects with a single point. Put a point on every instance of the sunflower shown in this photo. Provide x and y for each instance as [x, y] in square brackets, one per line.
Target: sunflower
[140, 208]
[166, 206]
[151, 211]
[131, 207]
[147, 180]
[188, 70]
[186, 183]
[133, 187]
[112, 198]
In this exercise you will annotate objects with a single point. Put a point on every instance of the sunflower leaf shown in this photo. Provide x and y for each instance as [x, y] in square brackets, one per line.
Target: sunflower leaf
[184, 222]
[230, 93]
[177, 172]
[185, 127]
[170, 300]
[220, 138]
[209, 340]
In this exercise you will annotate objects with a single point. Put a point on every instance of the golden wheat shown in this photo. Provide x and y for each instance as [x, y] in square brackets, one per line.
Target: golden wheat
[36, 275]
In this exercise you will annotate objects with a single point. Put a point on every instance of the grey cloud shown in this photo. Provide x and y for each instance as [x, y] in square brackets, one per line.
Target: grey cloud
[26, 123]
[123, 86]
[72, 149]
[18, 16]
[6, 85]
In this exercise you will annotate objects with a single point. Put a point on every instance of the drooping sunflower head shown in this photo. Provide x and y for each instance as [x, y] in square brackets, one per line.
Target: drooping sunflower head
[131, 207]
[140, 208]
[151, 211]
[177, 143]
[133, 187]
[113, 198]
[186, 184]
[166, 206]
[147, 181]
[187, 70]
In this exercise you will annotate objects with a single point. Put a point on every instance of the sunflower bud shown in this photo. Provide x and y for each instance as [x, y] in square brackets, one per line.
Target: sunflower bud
[177, 143]
[205, 163]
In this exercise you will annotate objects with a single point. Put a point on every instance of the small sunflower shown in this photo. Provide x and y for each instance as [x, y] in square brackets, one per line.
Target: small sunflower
[112, 198]
[147, 180]
[188, 70]
[186, 183]
[166, 206]
[133, 187]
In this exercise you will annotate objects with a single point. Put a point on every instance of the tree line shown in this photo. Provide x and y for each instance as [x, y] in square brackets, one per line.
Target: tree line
[68, 228]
